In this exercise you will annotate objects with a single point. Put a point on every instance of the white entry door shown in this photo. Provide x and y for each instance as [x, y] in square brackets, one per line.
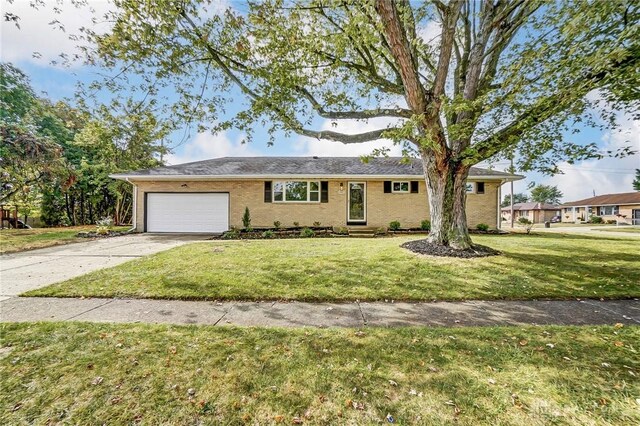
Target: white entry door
[187, 212]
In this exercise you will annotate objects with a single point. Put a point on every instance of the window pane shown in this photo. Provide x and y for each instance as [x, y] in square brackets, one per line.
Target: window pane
[296, 191]
[277, 191]
[313, 186]
[404, 186]
[396, 186]
[470, 187]
[314, 196]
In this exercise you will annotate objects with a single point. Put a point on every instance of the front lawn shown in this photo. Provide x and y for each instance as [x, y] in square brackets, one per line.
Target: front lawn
[15, 240]
[630, 230]
[532, 266]
[81, 373]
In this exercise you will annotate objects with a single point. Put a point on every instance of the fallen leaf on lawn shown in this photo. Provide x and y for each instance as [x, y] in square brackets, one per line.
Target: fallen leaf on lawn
[450, 402]
[551, 345]
[619, 325]
[523, 342]
[278, 418]
[360, 333]
[173, 349]
[17, 406]
[433, 369]
[357, 405]
[491, 381]
[618, 343]
[606, 365]
[97, 381]
[296, 421]
[413, 392]
[393, 383]
[115, 400]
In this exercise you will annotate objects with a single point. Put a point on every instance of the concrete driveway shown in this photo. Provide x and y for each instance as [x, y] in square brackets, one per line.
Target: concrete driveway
[20, 272]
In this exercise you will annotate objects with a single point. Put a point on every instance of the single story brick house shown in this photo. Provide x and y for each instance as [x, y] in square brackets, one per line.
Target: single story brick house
[623, 208]
[210, 196]
[535, 212]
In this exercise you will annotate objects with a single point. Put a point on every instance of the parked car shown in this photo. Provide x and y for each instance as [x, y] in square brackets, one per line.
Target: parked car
[555, 219]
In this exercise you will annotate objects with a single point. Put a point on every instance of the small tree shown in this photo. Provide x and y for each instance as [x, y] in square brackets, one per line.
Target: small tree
[526, 224]
[636, 181]
[246, 219]
[546, 194]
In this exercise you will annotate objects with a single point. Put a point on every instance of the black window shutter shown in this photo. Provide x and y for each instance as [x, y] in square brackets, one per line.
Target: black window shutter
[414, 186]
[479, 187]
[324, 191]
[387, 186]
[267, 191]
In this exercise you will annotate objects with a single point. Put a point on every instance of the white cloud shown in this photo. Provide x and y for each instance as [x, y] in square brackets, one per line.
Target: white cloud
[606, 176]
[206, 146]
[308, 146]
[37, 35]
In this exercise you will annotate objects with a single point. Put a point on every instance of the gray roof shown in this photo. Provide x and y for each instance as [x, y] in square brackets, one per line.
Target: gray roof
[301, 166]
[532, 206]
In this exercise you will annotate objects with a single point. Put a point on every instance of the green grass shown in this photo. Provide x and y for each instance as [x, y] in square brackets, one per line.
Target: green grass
[81, 373]
[634, 230]
[535, 266]
[16, 240]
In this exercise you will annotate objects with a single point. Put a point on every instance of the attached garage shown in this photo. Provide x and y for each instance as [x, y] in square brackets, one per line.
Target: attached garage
[187, 212]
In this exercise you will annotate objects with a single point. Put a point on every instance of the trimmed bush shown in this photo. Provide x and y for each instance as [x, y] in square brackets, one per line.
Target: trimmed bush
[596, 219]
[268, 234]
[246, 219]
[277, 224]
[307, 233]
[231, 234]
[482, 227]
[394, 226]
[425, 225]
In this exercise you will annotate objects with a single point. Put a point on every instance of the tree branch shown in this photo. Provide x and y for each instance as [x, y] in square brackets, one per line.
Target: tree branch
[342, 137]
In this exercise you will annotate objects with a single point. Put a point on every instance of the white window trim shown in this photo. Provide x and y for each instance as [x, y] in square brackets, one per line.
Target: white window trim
[401, 182]
[615, 209]
[284, 191]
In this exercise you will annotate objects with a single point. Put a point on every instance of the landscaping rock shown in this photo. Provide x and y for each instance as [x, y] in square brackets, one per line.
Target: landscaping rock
[425, 247]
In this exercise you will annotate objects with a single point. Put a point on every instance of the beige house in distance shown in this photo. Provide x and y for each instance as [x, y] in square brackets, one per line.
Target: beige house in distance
[535, 212]
[623, 208]
[210, 196]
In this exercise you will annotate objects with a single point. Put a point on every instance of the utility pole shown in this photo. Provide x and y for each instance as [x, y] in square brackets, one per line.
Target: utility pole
[511, 171]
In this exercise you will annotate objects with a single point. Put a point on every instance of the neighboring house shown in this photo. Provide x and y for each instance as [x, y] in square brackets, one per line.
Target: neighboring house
[623, 208]
[211, 195]
[535, 212]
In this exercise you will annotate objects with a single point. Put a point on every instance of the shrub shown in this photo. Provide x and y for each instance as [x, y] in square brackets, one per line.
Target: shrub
[246, 219]
[277, 224]
[483, 227]
[296, 224]
[425, 225]
[307, 233]
[611, 222]
[381, 231]
[316, 224]
[342, 231]
[596, 219]
[268, 234]
[103, 226]
[231, 234]
[394, 226]
[526, 224]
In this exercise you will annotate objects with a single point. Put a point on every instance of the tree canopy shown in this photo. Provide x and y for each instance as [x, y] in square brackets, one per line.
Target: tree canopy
[547, 194]
[455, 82]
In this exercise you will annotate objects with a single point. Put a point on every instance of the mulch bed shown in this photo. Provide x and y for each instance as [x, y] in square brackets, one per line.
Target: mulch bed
[425, 247]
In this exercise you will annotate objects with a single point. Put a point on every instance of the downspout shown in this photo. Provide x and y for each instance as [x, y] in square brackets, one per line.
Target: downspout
[134, 209]
[499, 224]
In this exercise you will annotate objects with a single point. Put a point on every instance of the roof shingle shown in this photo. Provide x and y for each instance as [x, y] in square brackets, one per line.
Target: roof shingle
[302, 166]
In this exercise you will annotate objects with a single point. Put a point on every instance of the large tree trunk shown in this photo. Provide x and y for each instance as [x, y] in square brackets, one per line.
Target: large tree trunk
[446, 188]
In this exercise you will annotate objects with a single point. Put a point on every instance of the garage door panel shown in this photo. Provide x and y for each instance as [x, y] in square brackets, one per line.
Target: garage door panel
[187, 212]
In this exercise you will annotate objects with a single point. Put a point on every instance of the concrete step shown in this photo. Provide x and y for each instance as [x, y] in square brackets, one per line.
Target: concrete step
[362, 232]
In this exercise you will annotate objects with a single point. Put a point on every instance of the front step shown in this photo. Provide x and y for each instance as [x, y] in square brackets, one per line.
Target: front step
[362, 232]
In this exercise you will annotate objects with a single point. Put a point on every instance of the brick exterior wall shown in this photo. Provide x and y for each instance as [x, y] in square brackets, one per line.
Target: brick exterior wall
[382, 208]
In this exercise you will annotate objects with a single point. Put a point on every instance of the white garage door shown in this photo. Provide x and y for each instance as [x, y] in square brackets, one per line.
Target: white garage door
[187, 212]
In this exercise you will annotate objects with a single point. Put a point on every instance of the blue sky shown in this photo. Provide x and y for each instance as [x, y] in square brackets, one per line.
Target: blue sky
[580, 180]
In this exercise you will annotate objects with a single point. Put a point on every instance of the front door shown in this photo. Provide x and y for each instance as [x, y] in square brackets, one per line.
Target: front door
[357, 203]
[635, 217]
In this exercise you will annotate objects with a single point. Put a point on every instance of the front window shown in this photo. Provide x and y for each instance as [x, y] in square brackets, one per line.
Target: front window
[296, 191]
[401, 187]
[608, 210]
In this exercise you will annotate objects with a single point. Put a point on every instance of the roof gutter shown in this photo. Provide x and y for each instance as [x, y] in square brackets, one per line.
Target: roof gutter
[128, 178]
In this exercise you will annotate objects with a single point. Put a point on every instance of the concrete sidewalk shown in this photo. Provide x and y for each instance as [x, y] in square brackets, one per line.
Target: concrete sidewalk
[298, 314]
